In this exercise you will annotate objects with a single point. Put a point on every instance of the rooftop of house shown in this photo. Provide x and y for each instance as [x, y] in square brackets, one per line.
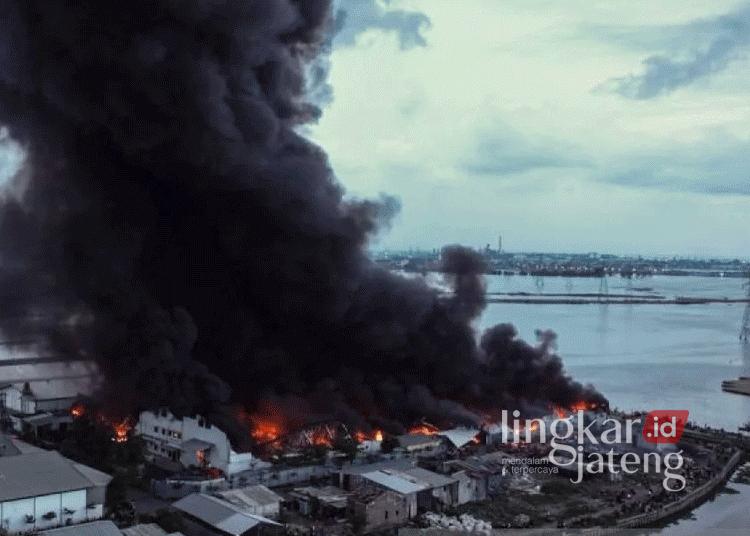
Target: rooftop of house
[407, 481]
[220, 514]
[251, 496]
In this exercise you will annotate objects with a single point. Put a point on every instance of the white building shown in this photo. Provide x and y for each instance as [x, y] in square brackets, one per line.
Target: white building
[190, 442]
[41, 489]
[28, 398]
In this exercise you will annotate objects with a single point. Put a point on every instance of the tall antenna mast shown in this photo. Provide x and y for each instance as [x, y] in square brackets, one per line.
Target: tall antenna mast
[745, 331]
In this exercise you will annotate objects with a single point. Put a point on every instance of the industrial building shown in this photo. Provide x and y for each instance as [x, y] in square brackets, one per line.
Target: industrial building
[189, 441]
[41, 489]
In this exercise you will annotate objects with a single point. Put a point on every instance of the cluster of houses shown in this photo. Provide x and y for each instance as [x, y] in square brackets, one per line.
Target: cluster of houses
[45, 493]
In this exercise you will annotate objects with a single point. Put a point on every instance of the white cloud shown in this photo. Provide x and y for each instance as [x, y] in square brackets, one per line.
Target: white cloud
[561, 165]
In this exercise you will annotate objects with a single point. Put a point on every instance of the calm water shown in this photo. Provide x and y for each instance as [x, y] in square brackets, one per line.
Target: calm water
[648, 357]
[643, 356]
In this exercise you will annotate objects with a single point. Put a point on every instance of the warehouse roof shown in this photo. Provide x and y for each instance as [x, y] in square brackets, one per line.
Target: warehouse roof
[97, 528]
[43, 473]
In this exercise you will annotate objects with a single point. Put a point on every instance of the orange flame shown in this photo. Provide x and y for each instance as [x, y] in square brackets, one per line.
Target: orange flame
[266, 425]
[264, 431]
[121, 431]
[360, 436]
[77, 411]
[423, 428]
[579, 405]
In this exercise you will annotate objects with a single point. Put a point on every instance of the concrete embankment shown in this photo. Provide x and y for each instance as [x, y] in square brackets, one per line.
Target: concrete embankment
[740, 387]
[605, 299]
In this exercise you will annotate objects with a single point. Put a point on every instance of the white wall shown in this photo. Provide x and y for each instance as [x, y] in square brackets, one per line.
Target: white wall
[169, 432]
[13, 513]
[238, 462]
[15, 400]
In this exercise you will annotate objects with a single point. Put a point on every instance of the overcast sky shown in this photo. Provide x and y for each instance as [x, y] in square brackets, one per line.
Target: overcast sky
[619, 127]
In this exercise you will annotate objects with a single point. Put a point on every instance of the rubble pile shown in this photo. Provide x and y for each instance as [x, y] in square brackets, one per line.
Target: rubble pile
[464, 523]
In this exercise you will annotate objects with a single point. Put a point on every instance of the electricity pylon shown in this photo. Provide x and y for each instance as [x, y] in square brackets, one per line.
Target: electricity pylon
[745, 331]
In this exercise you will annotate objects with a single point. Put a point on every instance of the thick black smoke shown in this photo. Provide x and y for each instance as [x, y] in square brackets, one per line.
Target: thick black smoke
[178, 231]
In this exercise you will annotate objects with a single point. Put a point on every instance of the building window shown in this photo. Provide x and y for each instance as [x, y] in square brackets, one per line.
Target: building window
[386, 514]
[156, 429]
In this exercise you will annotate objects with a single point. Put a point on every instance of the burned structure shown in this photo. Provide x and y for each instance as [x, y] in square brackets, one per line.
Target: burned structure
[170, 224]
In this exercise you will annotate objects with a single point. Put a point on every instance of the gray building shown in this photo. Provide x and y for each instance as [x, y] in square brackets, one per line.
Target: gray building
[378, 508]
[421, 487]
[205, 515]
[258, 500]
[41, 489]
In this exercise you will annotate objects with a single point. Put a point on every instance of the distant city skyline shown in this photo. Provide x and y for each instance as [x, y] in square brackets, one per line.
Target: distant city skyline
[575, 126]
[659, 256]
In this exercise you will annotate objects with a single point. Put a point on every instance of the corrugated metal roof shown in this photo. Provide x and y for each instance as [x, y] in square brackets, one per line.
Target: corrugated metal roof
[97, 528]
[401, 463]
[409, 480]
[41, 473]
[395, 482]
[94, 475]
[219, 514]
[418, 440]
[460, 436]
[251, 496]
[148, 529]
[434, 480]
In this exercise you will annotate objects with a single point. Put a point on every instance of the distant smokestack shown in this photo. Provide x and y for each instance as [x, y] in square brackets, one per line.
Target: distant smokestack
[172, 203]
[500, 243]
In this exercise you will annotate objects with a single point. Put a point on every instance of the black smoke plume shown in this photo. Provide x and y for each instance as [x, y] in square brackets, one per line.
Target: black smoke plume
[176, 229]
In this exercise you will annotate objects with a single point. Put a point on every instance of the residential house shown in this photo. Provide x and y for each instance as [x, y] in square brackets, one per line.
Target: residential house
[325, 501]
[205, 515]
[350, 477]
[378, 508]
[423, 489]
[258, 500]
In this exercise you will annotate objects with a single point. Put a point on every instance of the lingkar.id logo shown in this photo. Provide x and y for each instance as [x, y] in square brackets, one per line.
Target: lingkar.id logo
[661, 427]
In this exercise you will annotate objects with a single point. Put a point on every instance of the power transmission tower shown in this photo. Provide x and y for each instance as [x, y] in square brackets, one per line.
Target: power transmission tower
[603, 286]
[745, 331]
[539, 282]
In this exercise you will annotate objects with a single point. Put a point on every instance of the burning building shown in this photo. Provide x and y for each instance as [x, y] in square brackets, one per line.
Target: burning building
[189, 442]
[174, 227]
